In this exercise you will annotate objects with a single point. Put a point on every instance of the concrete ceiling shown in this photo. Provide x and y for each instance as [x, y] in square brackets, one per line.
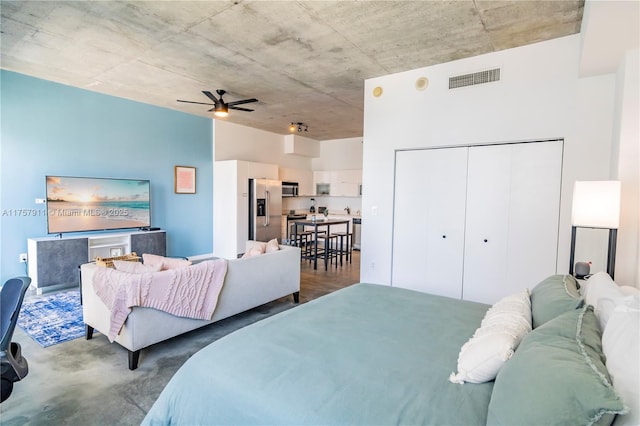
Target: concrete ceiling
[306, 61]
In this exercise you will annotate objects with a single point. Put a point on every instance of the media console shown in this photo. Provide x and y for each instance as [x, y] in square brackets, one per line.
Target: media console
[54, 261]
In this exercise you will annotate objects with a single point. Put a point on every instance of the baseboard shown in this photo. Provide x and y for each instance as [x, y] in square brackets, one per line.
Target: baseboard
[53, 288]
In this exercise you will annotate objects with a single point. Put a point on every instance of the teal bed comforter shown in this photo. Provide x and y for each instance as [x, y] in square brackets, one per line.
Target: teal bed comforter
[365, 355]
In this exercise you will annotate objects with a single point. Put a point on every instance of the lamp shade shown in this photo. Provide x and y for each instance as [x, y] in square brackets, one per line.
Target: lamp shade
[596, 204]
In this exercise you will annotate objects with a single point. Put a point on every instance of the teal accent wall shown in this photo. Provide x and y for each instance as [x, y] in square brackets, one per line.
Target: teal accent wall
[52, 129]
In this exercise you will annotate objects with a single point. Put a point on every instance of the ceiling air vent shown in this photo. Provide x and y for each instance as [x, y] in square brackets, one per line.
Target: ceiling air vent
[475, 78]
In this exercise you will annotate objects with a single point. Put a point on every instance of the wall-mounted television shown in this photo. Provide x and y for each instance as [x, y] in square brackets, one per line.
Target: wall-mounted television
[76, 204]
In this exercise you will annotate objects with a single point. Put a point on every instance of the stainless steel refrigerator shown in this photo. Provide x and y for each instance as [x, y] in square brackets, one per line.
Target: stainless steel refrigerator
[265, 209]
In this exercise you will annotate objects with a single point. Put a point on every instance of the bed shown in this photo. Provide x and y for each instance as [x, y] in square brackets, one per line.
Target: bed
[367, 354]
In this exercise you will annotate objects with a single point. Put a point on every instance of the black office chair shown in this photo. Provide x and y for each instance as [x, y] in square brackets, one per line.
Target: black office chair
[13, 365]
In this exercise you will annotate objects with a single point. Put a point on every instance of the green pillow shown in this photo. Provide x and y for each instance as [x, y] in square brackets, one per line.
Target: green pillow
[557, 376]
[554, 296]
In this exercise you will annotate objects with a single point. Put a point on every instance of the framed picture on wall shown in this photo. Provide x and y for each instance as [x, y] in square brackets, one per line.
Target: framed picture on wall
[184, 180]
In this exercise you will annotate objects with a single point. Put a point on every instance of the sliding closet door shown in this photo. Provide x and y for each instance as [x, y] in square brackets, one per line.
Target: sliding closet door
[513, 203]
[534, 213]
[428, 223]
[487, 222]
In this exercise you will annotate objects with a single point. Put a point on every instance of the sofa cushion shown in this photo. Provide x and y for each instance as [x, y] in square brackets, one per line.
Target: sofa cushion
[255, 250]
[135, 267]
[165, 262]
[272, 246]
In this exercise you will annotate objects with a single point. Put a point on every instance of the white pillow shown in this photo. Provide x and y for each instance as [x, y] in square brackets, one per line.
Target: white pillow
[272, 246]
[621, 346]
[135, 267]
[502, 328]
[255, 250]
[165, 262]
[603, 294]
[511, 312]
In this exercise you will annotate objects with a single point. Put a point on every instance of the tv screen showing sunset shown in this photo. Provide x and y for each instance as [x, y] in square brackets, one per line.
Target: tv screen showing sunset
[90, 204]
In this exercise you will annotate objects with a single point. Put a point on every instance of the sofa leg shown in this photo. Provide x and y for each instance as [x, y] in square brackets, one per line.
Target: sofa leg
[88, 332]
[133, 359]
[296, 297]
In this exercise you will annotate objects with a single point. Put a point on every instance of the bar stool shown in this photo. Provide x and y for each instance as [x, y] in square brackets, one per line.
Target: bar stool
[303, 240]
[342, 250]
[330, 249]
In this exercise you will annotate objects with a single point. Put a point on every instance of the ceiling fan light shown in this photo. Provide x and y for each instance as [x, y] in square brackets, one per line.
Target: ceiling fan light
[221, 111]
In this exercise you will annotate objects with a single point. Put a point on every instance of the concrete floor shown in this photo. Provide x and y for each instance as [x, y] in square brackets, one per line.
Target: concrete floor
[84, 382]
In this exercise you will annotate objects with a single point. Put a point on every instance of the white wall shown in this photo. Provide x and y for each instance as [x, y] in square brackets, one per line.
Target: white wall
[625, 166]
[339, 154]
[539, 97]
[237, 142]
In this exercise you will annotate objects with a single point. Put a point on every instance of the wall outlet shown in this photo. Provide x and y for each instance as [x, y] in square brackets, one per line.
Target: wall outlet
[23, 258]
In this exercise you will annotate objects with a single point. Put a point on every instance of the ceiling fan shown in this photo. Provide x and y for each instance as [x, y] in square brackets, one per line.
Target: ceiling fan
[220, 107]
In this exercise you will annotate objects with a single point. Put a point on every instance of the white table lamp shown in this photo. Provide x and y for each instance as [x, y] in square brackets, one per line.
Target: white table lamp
[596, 204]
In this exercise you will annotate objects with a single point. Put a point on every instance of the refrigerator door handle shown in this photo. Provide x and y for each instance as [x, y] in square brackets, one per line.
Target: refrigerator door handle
[267, 215]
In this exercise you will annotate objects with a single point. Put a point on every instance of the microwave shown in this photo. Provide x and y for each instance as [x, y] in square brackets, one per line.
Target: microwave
[289, 189]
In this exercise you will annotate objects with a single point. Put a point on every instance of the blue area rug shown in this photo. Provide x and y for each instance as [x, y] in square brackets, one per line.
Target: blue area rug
[52, 319]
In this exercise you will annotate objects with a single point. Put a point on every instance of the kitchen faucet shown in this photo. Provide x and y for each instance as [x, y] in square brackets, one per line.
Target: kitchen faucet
[348, 210]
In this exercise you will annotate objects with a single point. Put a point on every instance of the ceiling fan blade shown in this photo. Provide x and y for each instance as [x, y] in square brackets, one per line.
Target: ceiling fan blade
[245, 101]
[192, 102]
[210, 96]
[238, 108]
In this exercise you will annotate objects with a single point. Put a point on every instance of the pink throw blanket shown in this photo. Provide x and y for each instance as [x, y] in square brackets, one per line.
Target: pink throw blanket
[190, 292]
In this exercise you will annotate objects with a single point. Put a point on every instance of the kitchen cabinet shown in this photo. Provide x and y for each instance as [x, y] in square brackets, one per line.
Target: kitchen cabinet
[479, 222]
[344, 189]
[322, 176]
[343, 183]
[260, 170]
[303, 177]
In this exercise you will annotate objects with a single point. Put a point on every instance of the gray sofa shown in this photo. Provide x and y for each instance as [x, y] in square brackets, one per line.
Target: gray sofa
[249, 282]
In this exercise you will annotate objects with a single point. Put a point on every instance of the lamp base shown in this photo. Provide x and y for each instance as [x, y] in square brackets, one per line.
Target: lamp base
[611, 252]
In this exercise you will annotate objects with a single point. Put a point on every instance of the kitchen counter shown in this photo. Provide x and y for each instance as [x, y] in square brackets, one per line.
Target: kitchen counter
[320, 215]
